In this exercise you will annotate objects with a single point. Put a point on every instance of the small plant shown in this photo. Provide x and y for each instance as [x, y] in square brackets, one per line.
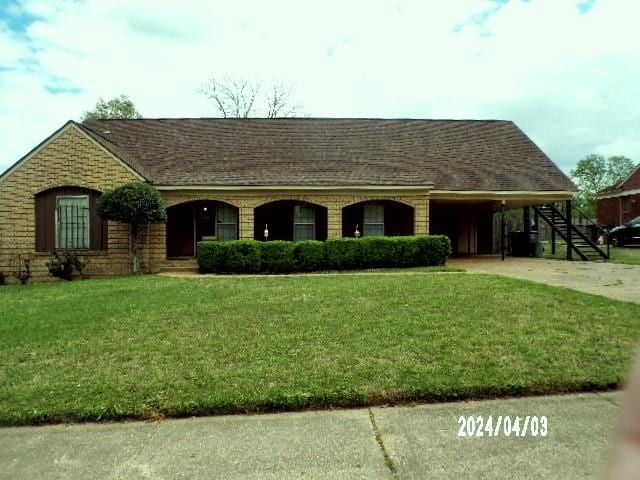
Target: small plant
[137, 204]
[23, 271]
[63, 266]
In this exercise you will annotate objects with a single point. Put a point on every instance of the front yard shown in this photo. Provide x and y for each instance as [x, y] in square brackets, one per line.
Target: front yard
[143, 347]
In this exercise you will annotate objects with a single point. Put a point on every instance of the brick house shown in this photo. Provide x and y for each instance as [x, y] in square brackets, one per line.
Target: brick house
[299, 178]
[621, 203]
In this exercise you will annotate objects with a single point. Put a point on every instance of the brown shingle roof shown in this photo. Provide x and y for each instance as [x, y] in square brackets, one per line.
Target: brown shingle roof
[448, 154]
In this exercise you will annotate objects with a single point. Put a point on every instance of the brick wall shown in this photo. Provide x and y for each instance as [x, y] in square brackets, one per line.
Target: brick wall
[608, 211]
[70, 158]
[618, 210]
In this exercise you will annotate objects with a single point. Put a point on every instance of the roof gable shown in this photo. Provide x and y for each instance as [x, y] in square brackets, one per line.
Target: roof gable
[69, 124]
[632, 181]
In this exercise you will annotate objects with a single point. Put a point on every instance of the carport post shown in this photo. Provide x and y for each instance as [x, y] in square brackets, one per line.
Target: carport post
[568, 213]
[526, 220]
[553, 233]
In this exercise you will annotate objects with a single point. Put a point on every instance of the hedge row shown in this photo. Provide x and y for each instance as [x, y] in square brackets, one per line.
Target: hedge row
[278, 256]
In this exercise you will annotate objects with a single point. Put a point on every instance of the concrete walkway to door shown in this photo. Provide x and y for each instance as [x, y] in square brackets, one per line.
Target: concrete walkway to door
[617, 281]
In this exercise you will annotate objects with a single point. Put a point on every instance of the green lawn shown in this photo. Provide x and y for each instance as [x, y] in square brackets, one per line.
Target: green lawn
[142, 347]
[626, 255]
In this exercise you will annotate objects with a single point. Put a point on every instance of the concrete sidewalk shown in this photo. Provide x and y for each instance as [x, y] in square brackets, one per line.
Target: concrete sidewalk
[378, 443]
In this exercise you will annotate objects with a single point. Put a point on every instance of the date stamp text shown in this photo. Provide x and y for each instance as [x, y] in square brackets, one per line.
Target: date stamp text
[503, 425]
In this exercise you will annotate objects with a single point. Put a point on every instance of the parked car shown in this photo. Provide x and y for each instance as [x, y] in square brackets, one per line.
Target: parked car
[626, 234]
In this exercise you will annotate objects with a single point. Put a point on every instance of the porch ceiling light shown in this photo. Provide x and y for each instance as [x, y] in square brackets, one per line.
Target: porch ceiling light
[205, 209]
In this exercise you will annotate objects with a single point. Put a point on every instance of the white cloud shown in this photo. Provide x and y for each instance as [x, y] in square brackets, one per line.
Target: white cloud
[569, 79]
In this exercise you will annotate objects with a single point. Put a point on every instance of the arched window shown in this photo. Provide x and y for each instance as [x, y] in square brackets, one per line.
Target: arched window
[66, 219]
[377, 218]
[290, 220]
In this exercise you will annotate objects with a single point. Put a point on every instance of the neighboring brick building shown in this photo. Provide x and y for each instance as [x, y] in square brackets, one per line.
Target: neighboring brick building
[621, 203]
[300, 178]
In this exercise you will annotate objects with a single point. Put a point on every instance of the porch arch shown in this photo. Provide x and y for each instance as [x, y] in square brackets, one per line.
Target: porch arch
[174, 202]
[290, 219]
[378, 217]
[191, 221]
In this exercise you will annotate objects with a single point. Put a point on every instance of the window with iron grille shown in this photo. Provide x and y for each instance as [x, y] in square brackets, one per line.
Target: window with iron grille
[72, 222]
[304, 223]
[373, 220]
[227, 222]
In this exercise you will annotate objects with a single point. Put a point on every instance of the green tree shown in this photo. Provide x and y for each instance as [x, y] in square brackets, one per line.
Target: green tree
[136, 204]
[593, 174]
[118, 107]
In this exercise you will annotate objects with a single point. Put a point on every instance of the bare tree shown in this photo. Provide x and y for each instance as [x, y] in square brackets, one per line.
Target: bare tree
[280, 102]
[238, 97]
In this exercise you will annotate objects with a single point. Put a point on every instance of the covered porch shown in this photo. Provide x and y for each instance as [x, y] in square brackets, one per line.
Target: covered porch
[318, 214]
[191, 222]
[478, 224]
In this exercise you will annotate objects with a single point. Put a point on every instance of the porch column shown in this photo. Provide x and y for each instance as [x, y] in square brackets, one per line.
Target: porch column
[246, 223]
[334, 221]
[421, 218]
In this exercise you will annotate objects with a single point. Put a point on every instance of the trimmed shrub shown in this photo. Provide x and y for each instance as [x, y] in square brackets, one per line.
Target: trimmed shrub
[242, 256]
[344, 253]
[210, 256]
[433, 250]
[237, 256]
[406, 252]
[309, 256]
[381, 252]
[277, 257]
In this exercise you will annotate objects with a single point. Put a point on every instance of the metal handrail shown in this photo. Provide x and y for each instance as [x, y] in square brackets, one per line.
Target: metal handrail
[590, 221]
[562, 214]
[603, 232]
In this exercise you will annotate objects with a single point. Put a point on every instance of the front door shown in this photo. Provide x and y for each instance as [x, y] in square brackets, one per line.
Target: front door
[180, 235]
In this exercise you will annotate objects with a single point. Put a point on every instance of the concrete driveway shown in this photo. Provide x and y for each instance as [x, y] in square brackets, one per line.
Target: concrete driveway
[377, 443]
[617, 281]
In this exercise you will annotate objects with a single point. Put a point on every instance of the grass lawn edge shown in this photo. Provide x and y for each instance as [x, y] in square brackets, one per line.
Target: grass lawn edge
[293, 403]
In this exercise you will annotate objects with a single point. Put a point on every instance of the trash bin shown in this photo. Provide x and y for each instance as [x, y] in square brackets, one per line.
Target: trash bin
[539, 249]
[525, 244]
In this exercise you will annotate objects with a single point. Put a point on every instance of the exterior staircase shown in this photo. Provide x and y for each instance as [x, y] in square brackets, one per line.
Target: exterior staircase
[575, 239]
[186, 265]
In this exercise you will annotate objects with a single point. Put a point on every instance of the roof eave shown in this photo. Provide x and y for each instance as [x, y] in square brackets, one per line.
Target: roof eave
[422, 187]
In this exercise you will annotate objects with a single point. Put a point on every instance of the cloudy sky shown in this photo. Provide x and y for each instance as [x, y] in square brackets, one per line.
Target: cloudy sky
[566, 71]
